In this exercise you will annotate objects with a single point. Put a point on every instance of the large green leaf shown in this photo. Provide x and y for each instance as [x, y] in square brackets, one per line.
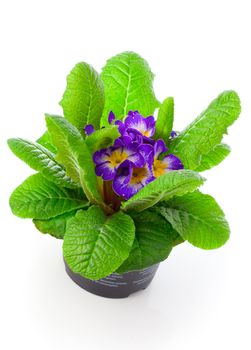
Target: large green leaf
[40, 198]
[83, 100]
[55, 226]
[46, 141]
[102, 138]
[68, 142]
[95, 245]
[174, 183]
[164, 123]
[213, 157]
[197, 218]
[154, 239]
[128, 86]
[201, 136]
[75, 155]
[42, 160]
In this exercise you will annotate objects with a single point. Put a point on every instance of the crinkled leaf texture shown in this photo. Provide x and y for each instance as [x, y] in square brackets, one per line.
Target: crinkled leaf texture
[207, 131]
[197, 218]
[154, 239]
[83, 100]
[174, 183]
[40, 198]
[213, 157]
[95, 245]
[128, 86]
[164, 123]
[73, 152]
[46, 141]
[55, 226]
[41, 159]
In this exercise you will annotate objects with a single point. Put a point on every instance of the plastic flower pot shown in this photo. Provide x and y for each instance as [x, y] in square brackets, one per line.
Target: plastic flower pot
[115, 285]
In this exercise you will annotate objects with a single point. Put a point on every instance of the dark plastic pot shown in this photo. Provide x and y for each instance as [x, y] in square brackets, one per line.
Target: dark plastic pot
[115, 285]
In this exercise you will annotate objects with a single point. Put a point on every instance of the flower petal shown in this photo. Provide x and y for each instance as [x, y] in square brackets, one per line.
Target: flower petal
[111, 117]
[101, 156]
[159, 147]
[106, 170]
[147, 152]
[137, 159]
[121, 126]
[136, 121]
[150, 122]
[89, 129]
[129, 180]
[172, 162]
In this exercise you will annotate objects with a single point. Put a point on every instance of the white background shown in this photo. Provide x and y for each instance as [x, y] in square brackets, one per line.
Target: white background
[199, 299]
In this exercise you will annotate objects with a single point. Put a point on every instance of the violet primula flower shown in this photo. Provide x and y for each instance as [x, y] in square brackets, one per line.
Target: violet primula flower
[129, 179]
[135, 121]
[169, 162]
[89, 129]
[108, 160]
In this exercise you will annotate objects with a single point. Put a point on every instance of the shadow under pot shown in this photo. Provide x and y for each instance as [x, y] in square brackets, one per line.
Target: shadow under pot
[115, 285]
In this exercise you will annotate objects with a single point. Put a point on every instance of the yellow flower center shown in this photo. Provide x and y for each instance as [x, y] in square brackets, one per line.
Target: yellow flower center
[159, 168]
[138, 175]
[146, 133]
[117, 157]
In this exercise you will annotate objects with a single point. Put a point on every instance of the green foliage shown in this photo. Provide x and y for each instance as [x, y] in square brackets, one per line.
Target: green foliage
[214, 157]
[197, 218]
[40, 198]
[102, 138]
[201, 136]
[42, 160]
[75, 155]
[55, 226]
[128, 83]
[95, 245]
[164, 123]
[154, 239]
[173, 183]
[83, 100]
[46, 141]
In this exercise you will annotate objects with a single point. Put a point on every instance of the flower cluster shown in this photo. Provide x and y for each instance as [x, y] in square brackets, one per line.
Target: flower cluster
[135, 158]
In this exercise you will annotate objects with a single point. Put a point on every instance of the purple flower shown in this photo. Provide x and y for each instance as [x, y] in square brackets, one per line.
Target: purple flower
[173, 134]
[111, 117]
[169, 162]
[108, 160]
[129, 179]
[89, 129]
[135, 121]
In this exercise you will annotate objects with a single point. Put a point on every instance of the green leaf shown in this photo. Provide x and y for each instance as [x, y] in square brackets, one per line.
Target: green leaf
[128, 86]
[39, 198]
[42, 160]
[55, 226]
[68, 142]
[174, 183]
[164, 123]
[46, 141]
[214, 157]
[83, 100]
[102, 138]
[201, 136]
[75, 155]
[197, 218]
[154, 239]
[95, 245]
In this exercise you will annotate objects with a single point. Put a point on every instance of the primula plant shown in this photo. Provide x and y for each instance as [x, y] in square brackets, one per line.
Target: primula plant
[114, 180]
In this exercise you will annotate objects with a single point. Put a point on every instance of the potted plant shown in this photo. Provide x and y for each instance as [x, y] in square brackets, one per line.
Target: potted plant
[118, 185]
